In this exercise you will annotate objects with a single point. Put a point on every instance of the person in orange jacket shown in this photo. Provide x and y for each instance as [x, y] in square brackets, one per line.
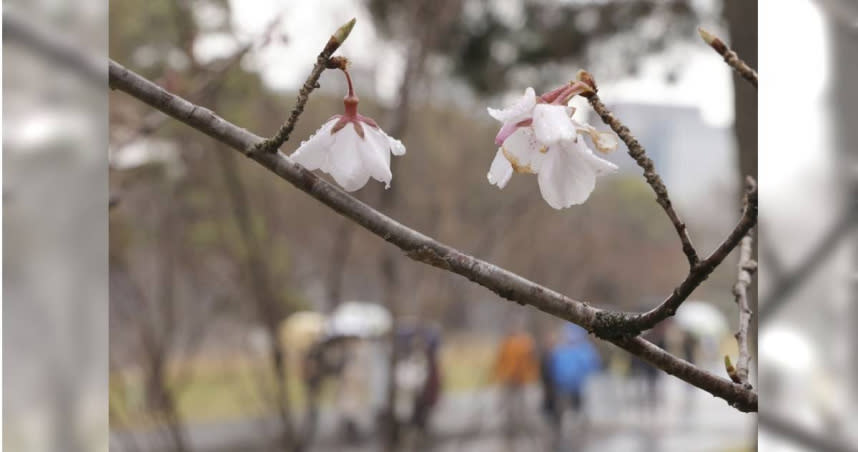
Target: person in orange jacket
[516, 366]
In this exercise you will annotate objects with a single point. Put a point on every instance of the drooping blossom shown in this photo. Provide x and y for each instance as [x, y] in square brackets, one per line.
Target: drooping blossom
[539, 136]
[350, 147]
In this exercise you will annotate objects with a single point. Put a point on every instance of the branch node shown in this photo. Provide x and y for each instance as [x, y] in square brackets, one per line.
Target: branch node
[429, 256]
[614, 325]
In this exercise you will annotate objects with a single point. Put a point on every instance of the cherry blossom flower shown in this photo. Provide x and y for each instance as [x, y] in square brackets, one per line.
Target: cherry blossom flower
[539, 136]
[350, 147]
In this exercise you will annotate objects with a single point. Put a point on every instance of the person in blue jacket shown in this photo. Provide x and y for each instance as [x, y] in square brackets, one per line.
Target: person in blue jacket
[572, 361]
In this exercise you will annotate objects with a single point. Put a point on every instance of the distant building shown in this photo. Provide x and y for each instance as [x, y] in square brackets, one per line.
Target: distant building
[696, 160]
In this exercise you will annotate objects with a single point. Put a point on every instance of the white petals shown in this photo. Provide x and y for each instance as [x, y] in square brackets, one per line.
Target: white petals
[566, 178]
[519, 111]
[524, 151]
[349, 158]
[376, 155]
[604, 141]
[313, 153]
[396, 146]
[501, 170]
[346, 165]
[599, 165]
[552, 124]
[542, 138]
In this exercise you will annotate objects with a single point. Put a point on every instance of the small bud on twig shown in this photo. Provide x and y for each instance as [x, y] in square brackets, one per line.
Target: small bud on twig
[731, 371]
[712, 40]
[343, 32]
[323, 61]
[585, 77]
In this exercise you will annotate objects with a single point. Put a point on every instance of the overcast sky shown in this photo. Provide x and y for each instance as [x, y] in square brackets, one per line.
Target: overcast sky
[704, 81]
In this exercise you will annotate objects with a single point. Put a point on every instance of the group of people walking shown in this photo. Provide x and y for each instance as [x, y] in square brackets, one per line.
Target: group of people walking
[562, 363]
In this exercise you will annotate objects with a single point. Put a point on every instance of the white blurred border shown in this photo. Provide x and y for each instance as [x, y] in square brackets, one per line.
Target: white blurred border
[55, 342]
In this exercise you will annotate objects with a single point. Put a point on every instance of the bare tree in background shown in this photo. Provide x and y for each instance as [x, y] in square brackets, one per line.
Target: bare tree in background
[621, 328]
[844, 109]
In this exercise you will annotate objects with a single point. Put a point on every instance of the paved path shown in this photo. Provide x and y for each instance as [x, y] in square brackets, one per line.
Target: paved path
[686, 419]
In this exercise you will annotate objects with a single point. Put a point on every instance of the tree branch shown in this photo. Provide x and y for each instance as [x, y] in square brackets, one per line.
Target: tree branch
[632, 324]
[701, 271]
[206, 80]
[272, 144]
[747, 268]
[730, 57]
[637, 152]
[418, 246]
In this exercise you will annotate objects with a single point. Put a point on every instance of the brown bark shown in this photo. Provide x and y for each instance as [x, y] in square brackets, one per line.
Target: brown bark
[416, 245]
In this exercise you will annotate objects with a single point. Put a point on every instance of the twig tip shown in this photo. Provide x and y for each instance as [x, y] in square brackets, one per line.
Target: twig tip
[343, 32]
[707, 37]
[713, 41]
[585, 77]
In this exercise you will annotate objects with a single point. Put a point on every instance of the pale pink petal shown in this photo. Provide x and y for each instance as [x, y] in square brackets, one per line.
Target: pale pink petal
[604, 141]
[313, 153]
[599, 165]
[523, 151]
[518, 111]
[346, 164]
[501, 171]
[566, 178]
[375, 152]
[552, 124]
[505, 131]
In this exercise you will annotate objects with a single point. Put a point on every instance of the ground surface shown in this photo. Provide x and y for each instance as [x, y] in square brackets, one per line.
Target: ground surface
[616, 420]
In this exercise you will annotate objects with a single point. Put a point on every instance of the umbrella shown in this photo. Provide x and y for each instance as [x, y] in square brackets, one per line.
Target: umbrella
[362, 319]
[701, 318]
[301, 329]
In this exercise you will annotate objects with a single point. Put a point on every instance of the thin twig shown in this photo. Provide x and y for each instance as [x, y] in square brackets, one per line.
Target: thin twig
[418, 246]
[730, 57]
[701, 271]
[747, 268]
[272, 144]
[637, 152]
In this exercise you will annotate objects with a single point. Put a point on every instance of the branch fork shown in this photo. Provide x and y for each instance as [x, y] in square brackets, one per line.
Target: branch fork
[323, 61]
[621, 329]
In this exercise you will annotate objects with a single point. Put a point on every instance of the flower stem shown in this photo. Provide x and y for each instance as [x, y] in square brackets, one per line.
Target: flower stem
[351, 100]
[349, 80]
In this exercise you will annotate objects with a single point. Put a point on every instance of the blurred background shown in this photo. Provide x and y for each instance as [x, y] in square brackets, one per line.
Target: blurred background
[216, 266]
[245, 316]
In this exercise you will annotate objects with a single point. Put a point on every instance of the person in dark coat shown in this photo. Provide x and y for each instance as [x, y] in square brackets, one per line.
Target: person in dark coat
[428, 397]
[549, 393]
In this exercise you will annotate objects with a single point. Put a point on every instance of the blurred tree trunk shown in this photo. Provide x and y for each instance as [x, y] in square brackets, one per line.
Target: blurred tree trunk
[742, 25]
[418, 47]
[268, 310]
[741, 18]
[844, 110]
[337, 264]
[389, 271]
